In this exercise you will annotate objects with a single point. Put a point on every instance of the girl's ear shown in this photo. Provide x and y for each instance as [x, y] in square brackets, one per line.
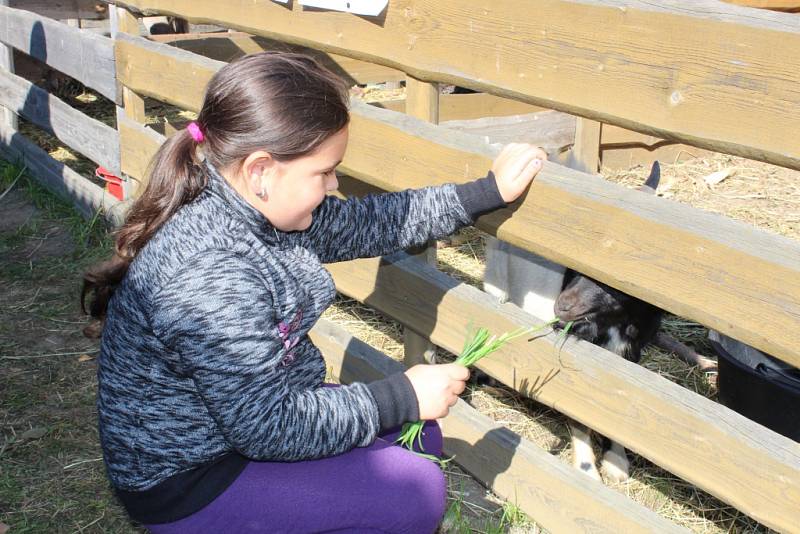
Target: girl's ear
[256, 170]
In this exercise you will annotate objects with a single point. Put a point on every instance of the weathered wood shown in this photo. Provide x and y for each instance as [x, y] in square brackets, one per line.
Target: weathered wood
[689, 435]
[123, 22]
[558, 497]
[477, 105]
[777, 5]
[585, 153]
[8, 118]
[163, 72]
[422, 102]
[229, 46]
[62, 9]
[133, 108]
[623, 149]
[458, 107]
[90, 137]
[138, 145]
[87, 197]
[83, 55]
[552, 130]
[724, 274]
[704, 74]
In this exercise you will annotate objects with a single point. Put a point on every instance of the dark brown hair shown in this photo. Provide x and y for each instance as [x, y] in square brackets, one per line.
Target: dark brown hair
[283, 103]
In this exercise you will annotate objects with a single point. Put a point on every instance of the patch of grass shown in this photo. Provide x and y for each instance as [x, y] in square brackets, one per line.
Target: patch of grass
[52, 478]
[454, 521]
[513, 516]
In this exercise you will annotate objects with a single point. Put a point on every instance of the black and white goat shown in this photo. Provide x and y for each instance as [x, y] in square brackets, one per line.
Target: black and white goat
[601, 315]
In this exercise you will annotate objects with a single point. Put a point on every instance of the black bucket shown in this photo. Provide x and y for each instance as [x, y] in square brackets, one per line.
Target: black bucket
[758, 386]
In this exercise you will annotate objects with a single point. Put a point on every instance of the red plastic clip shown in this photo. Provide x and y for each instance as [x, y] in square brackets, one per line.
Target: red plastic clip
[113, 182]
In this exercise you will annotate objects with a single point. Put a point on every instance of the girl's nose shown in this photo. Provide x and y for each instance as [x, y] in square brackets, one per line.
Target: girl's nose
[332, 183]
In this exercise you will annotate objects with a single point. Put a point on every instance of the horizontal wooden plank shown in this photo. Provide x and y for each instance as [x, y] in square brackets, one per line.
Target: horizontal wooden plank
[86, 56]
[552, 130]
[229, 46]
[777, 5]
[558, 497]
[63, 9]
[724, 274]
[454, 107]
[689, 435]
[468, 106]
[90, 137]
[164, 72]
[87, 197]
[705, 74]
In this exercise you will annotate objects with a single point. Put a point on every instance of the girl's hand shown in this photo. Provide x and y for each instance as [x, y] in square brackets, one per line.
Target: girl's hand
[437, 387]
[515, 168]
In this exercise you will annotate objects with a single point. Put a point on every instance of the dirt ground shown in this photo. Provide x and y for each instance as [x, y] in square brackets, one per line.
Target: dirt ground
[51, 472]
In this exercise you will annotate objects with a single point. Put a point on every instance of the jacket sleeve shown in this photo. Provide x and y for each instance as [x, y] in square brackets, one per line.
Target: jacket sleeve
[217, 313]
[380, 224]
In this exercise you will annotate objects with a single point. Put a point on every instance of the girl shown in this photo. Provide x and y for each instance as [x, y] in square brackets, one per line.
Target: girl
[212, 411]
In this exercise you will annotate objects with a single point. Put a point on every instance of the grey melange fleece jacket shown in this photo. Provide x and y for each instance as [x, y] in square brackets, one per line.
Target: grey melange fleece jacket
[205, 348]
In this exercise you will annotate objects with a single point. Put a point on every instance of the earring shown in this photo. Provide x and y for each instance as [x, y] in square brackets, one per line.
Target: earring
[263, 193]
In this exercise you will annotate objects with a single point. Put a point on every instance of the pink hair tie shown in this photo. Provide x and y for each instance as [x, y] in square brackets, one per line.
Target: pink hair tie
[195, 132]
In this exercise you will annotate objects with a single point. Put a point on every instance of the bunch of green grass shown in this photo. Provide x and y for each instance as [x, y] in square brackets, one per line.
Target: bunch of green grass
[477, 346]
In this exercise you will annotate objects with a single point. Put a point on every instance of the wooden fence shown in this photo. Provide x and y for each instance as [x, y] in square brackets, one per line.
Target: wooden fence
[706, 76]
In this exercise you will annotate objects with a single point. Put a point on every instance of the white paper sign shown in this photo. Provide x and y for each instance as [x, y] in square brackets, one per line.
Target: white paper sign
[359, 7]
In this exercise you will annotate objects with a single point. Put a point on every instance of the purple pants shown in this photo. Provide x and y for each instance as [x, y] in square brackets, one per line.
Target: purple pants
[380, 488]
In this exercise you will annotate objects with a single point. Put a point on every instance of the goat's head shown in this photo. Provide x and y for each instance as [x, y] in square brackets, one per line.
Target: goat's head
[596, 309]
[604, 315]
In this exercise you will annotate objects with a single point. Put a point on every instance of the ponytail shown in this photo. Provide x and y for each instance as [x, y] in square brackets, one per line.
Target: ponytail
[175, 179]
[284, 103]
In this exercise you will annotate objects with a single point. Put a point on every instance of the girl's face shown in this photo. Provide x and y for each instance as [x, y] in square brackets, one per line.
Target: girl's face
[295, 188]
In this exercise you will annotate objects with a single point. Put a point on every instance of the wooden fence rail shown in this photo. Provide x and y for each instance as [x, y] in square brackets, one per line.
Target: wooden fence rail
[703, 74]
[95, 140]
[87, 57]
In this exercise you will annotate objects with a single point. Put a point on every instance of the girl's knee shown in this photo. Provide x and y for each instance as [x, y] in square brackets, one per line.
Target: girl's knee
[428, 499]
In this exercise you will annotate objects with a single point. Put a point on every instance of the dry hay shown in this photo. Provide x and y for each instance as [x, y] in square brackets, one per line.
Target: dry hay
[760, 194]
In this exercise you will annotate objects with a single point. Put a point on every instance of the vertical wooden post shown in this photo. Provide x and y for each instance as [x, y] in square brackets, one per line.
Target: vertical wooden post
[7, 116]
[585, 155]
[422, 102]
[123, 21]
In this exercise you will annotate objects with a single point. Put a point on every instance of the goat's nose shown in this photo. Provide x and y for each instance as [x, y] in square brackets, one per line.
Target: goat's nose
[565, 302]
[563, 305]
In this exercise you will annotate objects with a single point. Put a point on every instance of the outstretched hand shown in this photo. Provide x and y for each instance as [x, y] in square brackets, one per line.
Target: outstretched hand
[515, 168]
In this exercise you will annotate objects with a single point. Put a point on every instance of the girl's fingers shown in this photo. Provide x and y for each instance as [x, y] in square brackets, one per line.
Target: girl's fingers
[533, 166]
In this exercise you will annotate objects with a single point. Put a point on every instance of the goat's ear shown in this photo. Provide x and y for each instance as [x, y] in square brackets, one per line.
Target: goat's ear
[651, 184]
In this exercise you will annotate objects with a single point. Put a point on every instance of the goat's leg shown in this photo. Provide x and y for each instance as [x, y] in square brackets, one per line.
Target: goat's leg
[495, 277]
[670, 344]
[615, 464]
[583, 457]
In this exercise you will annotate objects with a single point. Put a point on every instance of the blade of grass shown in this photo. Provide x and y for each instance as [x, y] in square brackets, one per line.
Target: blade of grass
[477, 345]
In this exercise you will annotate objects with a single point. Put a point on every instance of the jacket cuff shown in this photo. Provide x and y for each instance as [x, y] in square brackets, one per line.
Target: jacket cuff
[480, 196]
[397, 402]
